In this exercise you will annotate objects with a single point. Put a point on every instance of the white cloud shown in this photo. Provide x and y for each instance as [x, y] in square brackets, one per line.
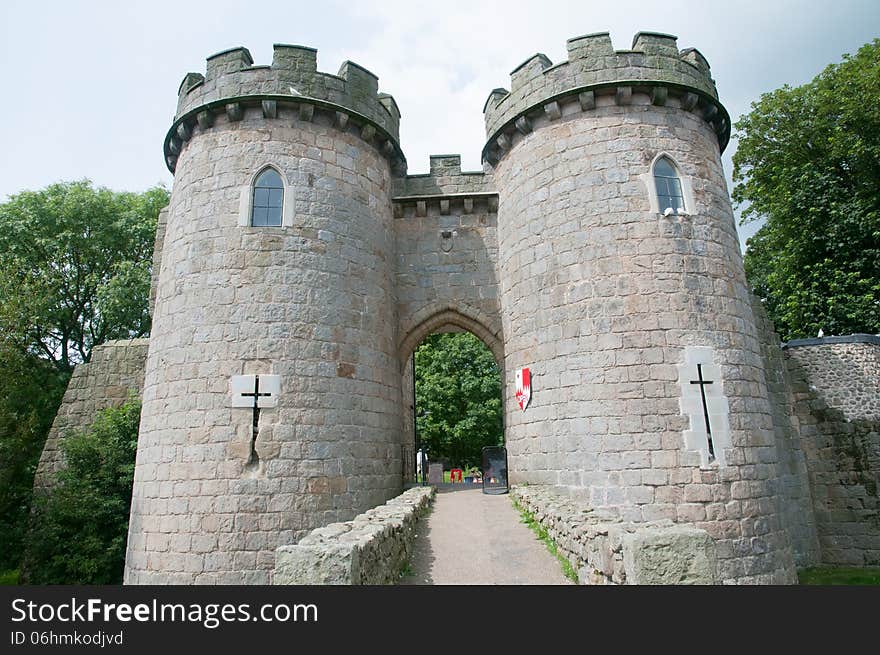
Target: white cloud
[92, 86]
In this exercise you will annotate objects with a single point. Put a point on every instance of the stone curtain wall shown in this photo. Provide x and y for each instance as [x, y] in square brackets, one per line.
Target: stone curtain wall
[840, 437]
[845, 371]
[116, 369]
[371, 549]
[603, 549]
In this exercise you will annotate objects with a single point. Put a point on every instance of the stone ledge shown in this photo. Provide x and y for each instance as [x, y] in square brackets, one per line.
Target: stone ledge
[370, 549]
[606, 550]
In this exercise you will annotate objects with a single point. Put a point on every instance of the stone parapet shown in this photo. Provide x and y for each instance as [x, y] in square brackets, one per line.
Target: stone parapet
[445, 178]
[594, 71]
[606, 550]
[232, 84]
[445, 190]
[371, 549]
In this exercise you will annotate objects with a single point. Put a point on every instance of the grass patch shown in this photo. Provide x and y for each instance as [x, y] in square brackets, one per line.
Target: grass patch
[842, 575]
[543, 535]
[8, 578]
[406, 570]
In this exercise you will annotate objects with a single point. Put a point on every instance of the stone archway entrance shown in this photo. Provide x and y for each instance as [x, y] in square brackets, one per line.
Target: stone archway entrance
[474, 344]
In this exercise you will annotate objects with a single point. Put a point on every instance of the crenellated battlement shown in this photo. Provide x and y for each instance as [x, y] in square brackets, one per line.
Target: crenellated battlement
[232, 81]
[654, 65]
[445, 184]
[445, 178]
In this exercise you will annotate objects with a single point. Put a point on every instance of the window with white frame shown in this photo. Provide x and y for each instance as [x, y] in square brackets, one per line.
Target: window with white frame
[668, 185]
[268, 199]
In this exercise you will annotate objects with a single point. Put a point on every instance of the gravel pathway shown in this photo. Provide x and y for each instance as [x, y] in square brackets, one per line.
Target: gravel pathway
[472, 538]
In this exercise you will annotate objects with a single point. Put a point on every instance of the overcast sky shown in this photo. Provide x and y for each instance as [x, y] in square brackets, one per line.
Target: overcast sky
[90, 87]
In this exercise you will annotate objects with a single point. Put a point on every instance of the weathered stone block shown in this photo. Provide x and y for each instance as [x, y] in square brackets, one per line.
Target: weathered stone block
[669, 555]
[322, 564]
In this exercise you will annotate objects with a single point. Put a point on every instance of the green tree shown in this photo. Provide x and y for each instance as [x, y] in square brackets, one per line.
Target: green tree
[458, 397]
[808, 164]
[75, 268]
[80, 527]
[74, 272]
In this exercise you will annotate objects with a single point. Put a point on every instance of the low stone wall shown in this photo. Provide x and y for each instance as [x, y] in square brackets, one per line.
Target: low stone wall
[371, 549]
[606, 550]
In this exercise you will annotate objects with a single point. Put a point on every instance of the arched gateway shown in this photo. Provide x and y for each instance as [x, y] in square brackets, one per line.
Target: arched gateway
[433, 319]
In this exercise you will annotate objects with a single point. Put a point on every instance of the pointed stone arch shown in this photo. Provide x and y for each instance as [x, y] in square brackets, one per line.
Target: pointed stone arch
[443, 317]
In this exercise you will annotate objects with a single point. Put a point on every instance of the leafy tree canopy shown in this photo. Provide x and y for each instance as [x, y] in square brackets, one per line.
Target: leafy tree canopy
[458, 398]
[74, 272]
[808, 164]
[75, 268]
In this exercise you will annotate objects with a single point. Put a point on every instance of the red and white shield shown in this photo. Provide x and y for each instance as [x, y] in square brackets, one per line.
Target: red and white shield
[523, 388]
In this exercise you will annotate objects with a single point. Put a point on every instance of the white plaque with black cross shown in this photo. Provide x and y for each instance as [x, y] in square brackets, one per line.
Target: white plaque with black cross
[704, 403]
[255, 391]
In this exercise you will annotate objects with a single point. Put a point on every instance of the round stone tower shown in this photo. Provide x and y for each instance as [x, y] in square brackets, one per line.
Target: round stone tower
[283, 277]
[625, 295]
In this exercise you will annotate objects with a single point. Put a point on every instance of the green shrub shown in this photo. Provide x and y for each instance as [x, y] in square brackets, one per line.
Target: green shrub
[30, 391]
[843, 575]
[79, 529]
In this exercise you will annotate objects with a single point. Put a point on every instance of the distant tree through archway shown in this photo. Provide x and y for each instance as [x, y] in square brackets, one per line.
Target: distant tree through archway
[458, 408]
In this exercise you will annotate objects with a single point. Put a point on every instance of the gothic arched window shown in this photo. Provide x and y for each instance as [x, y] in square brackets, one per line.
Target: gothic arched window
[669, 195]
[268, 199]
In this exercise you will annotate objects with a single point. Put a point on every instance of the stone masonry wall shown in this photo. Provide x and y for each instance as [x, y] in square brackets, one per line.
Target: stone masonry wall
[446, 253]
[446, 265]
[371, 549]
[844, 371]
[601, 296]
[793, 496]
[840, 438]
[116, 369]
[309, 302]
